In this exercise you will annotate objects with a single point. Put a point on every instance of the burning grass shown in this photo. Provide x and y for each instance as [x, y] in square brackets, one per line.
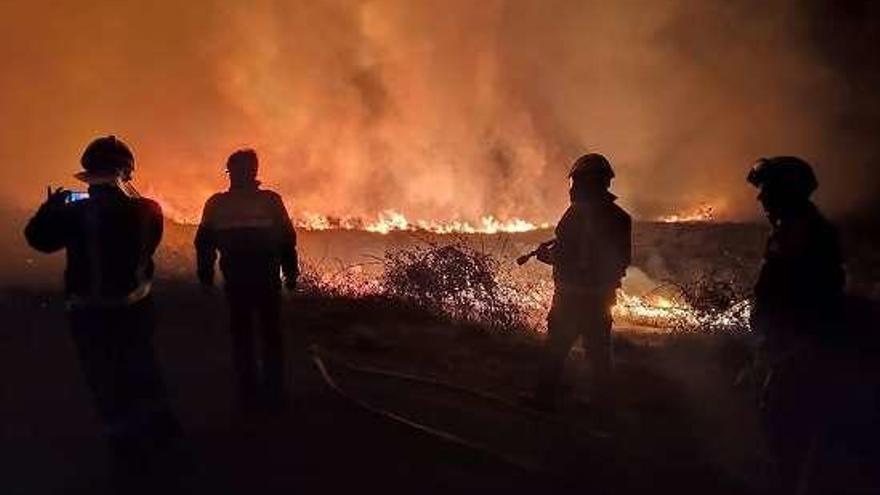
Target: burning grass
[456, 281]
[474, 278]
[702, 213]
[393, 221]
[465, 284]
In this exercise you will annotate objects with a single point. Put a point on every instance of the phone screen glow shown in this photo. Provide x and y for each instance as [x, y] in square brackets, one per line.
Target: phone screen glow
[75, 196]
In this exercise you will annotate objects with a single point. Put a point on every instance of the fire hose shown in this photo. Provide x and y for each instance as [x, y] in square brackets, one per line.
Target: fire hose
[444, 435]
[434, 432]
[522, 260]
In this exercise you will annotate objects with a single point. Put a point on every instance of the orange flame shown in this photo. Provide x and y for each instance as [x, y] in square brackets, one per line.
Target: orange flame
[394, 221]
[642, 312]
[385, 222]
[702, 213]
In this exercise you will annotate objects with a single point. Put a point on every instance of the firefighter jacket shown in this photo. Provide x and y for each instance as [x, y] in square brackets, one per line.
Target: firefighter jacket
[800, 287]
[593, 245]
[254, 235]
[110, 239]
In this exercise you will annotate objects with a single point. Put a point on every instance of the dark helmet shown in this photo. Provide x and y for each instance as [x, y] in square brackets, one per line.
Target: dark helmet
[591, 167]
[107, 156]
[784, 173]
[243, 164]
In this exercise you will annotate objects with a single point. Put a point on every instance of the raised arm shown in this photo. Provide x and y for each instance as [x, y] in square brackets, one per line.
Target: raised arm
[47, 231]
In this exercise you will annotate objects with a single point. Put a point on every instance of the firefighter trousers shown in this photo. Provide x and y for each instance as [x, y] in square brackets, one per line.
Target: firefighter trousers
[254, 322]
[577, 313]
[115, 350]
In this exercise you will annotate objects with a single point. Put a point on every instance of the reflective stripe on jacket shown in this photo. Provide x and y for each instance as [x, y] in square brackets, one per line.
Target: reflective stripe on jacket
[252, 232]
[110, 240]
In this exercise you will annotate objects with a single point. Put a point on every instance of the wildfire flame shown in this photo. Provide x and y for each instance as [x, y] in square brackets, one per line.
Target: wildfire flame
[650, 311]
[667, 313]
[394, 221]
[391, 220]
[702, 213]
[384, 223]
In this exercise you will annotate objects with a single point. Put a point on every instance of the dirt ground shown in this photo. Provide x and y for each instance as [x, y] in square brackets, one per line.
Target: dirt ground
[679, 422]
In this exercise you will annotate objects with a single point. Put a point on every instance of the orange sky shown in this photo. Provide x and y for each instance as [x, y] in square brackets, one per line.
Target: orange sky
[438, 109]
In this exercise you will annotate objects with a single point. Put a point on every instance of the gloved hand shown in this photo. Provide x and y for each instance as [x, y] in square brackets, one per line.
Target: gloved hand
[545, 253]
[56, 198]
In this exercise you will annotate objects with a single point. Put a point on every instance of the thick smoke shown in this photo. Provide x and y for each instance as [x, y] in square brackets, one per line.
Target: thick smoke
[439, 109]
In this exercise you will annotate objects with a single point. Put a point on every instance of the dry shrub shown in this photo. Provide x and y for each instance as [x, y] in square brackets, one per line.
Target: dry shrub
[454, 281]
[334, 279]
[464, 284]
[721, 304]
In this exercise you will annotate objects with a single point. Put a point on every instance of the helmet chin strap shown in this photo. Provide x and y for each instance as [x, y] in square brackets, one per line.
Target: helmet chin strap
[126, 186]
[123, 182]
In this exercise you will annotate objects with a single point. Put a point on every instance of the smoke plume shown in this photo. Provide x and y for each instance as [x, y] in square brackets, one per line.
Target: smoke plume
[439, 109]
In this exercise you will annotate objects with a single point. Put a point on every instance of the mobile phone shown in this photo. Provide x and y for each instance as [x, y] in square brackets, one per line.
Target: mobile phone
[74, 196]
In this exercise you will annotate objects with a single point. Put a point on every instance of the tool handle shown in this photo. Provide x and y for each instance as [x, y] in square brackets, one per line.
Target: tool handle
[522, 260]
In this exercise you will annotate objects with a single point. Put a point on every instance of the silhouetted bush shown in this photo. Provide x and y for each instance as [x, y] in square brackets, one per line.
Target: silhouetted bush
[720, 304]
[460, 283]
[455, 281]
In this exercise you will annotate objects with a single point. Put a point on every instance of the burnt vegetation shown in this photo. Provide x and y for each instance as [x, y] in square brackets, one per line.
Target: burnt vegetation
[454, 281]
[450, 282]
[462, 283]
[449, 308]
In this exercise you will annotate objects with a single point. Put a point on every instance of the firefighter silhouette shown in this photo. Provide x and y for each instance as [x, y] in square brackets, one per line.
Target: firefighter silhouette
[110, 235]
[798, 307]
[589, 256]
[252, 232]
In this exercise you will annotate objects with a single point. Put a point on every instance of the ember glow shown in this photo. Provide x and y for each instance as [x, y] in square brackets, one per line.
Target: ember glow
[702, 213]
[391, 220]
[394, 221]
[661, 312]
[385, 222]
[647, 312]
[644, 312]
[653, 312]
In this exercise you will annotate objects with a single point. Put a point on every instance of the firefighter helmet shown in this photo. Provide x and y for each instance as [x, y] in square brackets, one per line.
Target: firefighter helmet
[107, 157]
[784, 173]
[591, 166]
